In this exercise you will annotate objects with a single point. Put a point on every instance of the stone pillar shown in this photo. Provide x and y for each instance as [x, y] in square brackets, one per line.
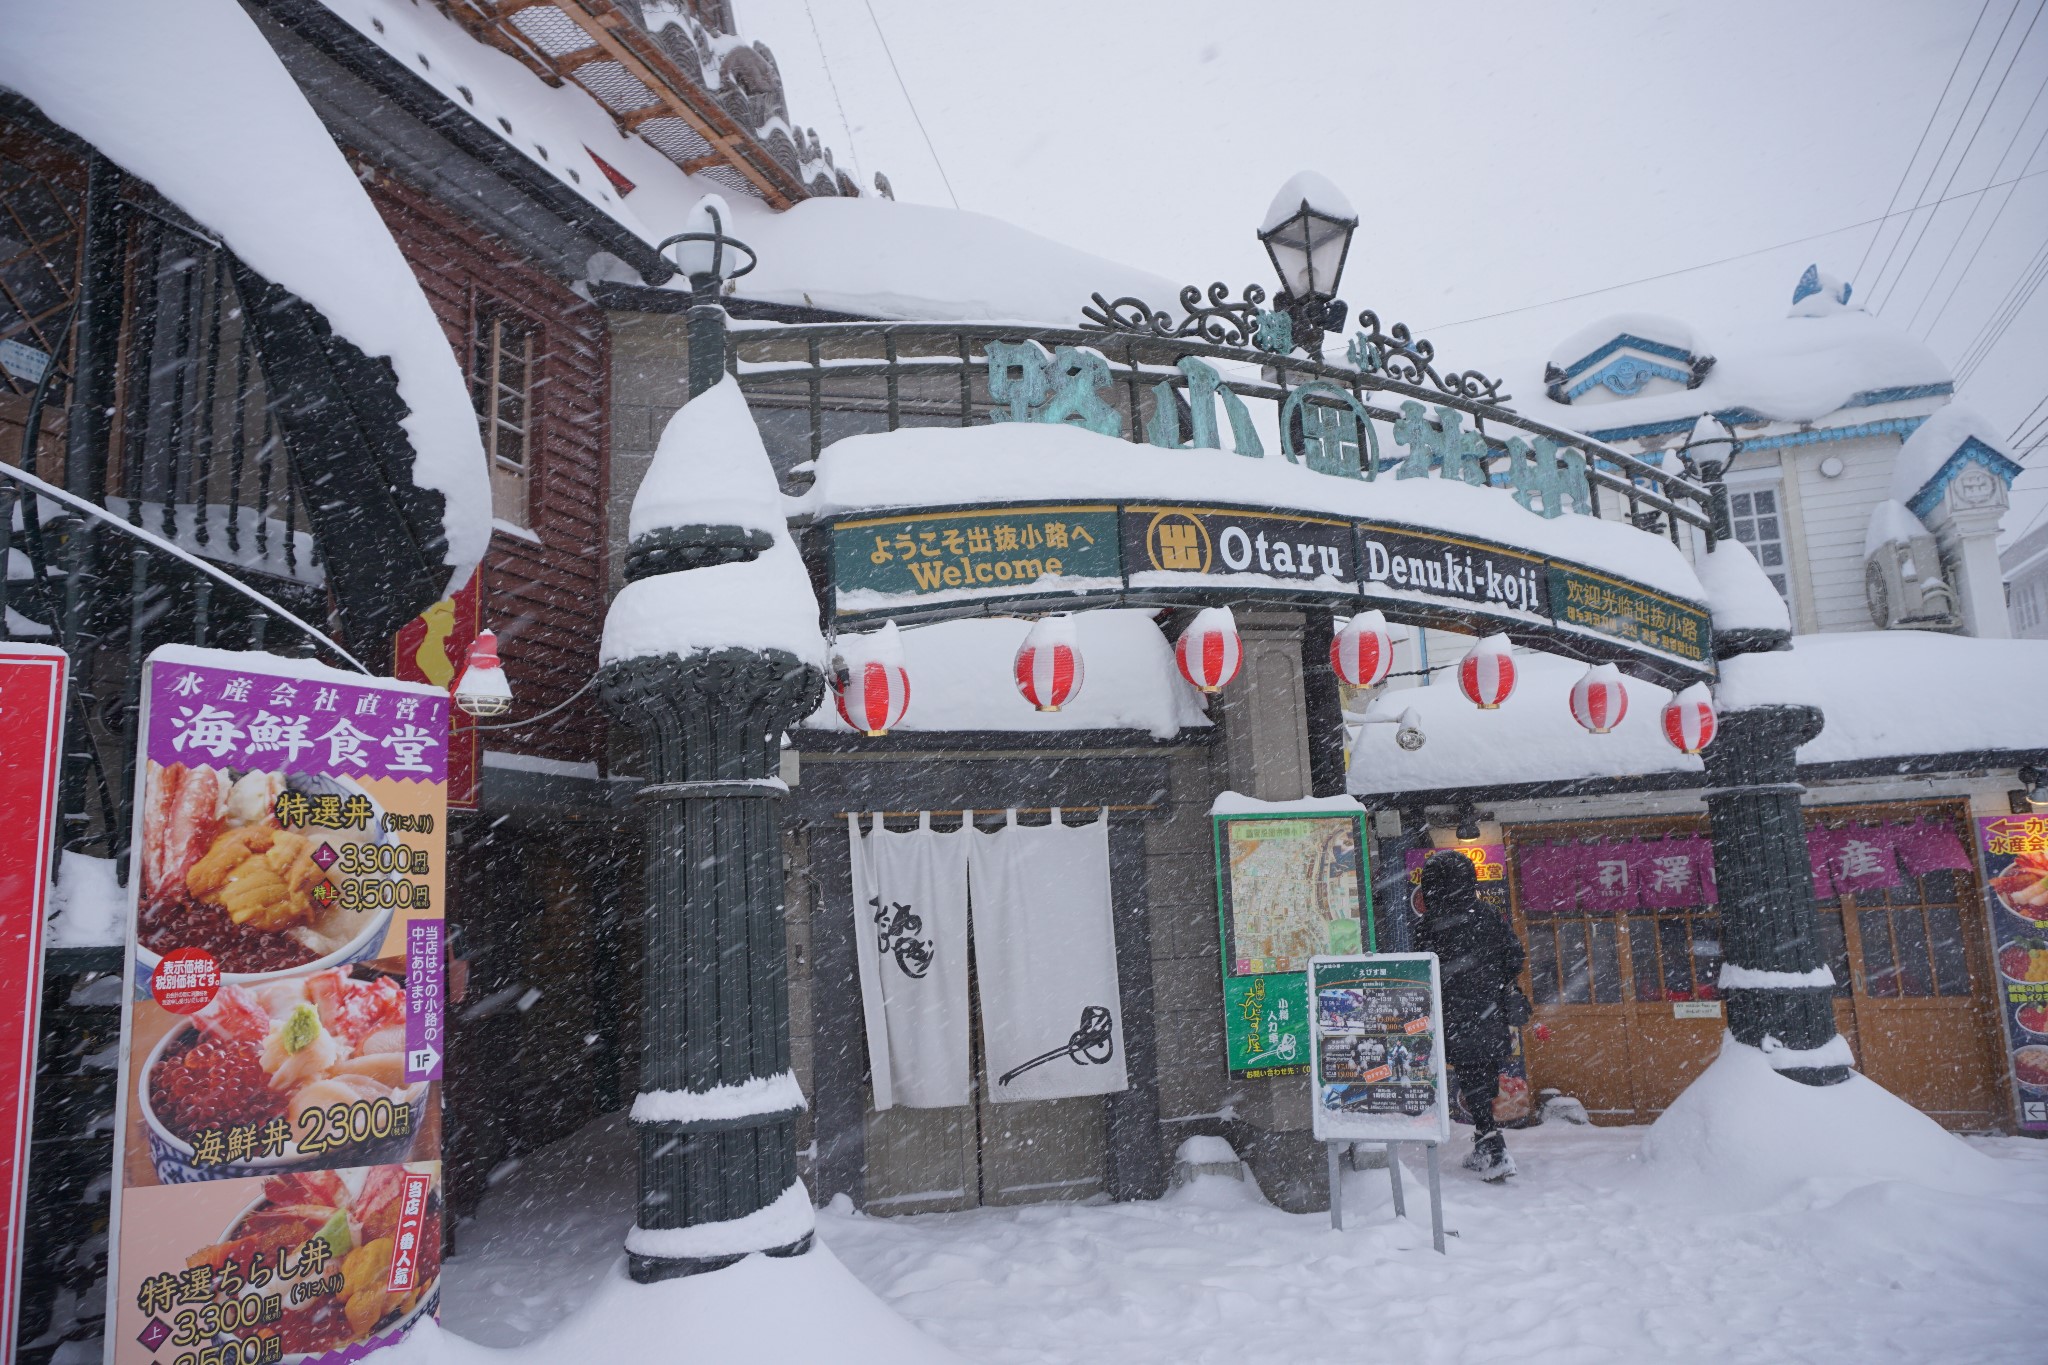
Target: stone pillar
[1965, 523]
[715, 989]
[1768, 920]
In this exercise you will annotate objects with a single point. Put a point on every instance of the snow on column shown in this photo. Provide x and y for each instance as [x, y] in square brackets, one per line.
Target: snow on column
[710, 652]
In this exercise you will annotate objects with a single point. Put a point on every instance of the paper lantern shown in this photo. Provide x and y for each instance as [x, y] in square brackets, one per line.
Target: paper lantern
[1048, 667]
[1689, 719]
[1363, 651]
[483, 689]
[870, 686]
[1209, 650]
[1600, 700]
[1487, 674]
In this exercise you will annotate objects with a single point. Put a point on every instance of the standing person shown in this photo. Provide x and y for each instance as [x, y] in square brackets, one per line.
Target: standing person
[1478, 961]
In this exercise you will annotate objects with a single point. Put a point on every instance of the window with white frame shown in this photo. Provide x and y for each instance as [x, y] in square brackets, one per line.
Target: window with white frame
[1757, 511]
[502, 382]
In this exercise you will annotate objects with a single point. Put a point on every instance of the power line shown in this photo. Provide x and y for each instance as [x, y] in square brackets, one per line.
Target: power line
[1907, 172]
[1997, 166]
[1948, 142]
[913, 103]
[852, 147]
[2009, 308]
[2014, 434]
[2003, 205]
[1738, 256]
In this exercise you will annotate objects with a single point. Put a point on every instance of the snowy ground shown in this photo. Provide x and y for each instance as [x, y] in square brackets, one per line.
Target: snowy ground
[1590, 1255]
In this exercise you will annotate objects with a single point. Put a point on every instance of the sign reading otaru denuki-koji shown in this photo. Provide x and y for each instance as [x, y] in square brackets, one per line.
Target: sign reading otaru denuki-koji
[906, 564]
[277, 1170]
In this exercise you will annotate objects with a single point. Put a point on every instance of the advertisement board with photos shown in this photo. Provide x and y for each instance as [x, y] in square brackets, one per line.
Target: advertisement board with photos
[1377, 1058]
[2015, 851]
[277, 1166]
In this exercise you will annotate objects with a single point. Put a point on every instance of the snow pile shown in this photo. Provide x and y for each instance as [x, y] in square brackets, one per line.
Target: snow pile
[1532, 737]
[760, 604]
[762, 1311]
[1891, 523]
[1936, 441]
[1237, 803]
[1788, 370]
[1032, 461]
[709, 469]
[1738, 593]
[1306, 187]
[88, 907]
[962, 678]
[1652, 327]
[775, 1094]
[208, 115]
[1897, 692]
[1819, 294]
[1741, 1134]
[784, 1222]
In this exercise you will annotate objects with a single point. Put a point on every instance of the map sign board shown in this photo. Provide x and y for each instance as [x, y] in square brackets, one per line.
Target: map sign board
[2015, 852]
[277, 1158]
[1290, 884]
[1377, 1058]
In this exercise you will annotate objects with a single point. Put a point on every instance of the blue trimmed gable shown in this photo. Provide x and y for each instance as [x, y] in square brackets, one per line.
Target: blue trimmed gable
[1971, 451]
[1624, 364]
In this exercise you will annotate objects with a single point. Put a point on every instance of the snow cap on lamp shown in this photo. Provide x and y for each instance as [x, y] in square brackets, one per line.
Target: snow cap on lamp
[483, 689]
[1363, 651]
[694, 259]
[1487, 674]
[869, 682]
[1209, 650]
[1689, 721]
[1048, 665]
[1599, 699]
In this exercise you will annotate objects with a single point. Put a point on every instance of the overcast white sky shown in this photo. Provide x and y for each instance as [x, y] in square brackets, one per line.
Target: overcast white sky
[1502, 155]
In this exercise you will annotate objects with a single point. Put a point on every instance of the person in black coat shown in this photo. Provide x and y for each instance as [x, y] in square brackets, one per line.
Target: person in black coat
[1478, 961]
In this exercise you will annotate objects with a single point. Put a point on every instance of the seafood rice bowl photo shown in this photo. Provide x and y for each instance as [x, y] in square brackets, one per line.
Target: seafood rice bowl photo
[220, 872]
[284, 1075]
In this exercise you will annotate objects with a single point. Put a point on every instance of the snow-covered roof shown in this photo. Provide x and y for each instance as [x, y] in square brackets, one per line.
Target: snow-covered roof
[709, 469]
[1532, 737]
[868, 256]
[191, 98]
[1891, 523]
[1588, 345]
[1788, 369]
[1956, 435]
[962, 678]
[1020, 461]
[1738, 591]
[1890, 693]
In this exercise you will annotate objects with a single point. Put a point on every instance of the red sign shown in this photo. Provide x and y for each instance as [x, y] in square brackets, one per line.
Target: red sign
[432, 648]
[31, 748]
[405, 1248]
[185, 980]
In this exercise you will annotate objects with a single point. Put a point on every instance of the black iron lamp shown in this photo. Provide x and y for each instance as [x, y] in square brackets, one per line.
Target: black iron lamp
[709, 257]
[2035, 793]
[1307, 235]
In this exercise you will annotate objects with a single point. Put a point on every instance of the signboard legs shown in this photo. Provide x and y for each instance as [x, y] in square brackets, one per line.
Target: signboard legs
[1436, 1187]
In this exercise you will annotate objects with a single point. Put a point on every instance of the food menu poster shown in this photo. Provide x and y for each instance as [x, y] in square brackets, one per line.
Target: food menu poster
[1288, 887]
[1376, 1023]
[277, 1170]
[2015, 852]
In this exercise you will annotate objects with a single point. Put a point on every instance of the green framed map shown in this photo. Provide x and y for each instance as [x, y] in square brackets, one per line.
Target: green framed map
[1290, 885]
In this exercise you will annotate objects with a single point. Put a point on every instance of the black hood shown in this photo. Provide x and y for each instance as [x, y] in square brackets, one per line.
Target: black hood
[1450, 885]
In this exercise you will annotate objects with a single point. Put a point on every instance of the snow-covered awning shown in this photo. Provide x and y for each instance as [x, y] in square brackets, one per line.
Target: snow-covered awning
[191, 98]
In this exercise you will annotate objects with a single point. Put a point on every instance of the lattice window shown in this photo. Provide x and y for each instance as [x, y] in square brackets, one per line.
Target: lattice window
[502, 383]
[1760, 525]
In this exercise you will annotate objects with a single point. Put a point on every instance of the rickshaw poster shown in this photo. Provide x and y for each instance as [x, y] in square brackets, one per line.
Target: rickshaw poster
[2015, 850]
[1376, 1056]
[277, 1161]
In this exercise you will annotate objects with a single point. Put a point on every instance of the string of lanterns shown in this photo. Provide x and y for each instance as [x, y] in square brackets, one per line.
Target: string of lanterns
[872, 691]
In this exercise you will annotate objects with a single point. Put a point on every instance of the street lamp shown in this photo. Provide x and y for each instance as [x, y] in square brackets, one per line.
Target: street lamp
[709, 257]
[1307, 235]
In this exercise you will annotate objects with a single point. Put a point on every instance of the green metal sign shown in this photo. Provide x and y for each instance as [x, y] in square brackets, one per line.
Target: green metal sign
[1289, 886]
[1626, 612]
[981, 551]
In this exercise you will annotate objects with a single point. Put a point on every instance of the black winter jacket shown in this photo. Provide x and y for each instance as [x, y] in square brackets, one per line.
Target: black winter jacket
[1478, 955]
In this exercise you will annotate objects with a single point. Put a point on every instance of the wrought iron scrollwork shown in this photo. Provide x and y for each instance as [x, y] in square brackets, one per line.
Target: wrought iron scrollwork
[1399, 355]
[1221, 320]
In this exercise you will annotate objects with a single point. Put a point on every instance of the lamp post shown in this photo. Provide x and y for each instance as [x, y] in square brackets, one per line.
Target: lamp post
[1307, 235]
[709, 258]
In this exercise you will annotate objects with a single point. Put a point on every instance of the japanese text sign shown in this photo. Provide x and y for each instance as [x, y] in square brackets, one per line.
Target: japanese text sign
[2015, 851]
[1376, 1022]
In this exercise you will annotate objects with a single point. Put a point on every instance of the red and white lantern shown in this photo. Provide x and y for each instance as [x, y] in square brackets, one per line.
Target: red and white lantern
[870, 684]
[1487, 674]
[1048, 667]
[1689, 719]
[1209, 650]
[1363, 651]
[1600, 699]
